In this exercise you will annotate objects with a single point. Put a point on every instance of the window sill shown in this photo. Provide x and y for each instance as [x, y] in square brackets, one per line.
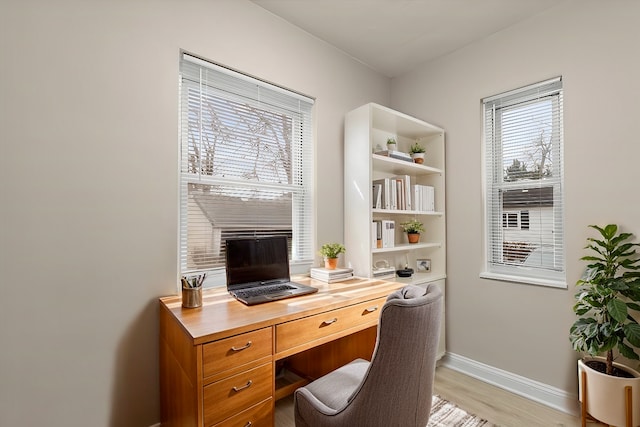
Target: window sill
[550, 283]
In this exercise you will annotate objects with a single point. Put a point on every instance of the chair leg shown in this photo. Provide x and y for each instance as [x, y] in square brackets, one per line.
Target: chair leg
[627, 405]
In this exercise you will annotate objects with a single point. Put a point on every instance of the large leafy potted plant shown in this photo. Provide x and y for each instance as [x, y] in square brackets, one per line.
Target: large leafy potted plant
[607, 299]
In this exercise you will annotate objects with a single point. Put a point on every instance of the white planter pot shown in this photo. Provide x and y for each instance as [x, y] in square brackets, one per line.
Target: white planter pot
[606, 394]
[418, 157]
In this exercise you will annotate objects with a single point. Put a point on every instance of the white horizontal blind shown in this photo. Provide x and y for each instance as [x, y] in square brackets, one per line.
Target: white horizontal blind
[246, 165]
[524, 170]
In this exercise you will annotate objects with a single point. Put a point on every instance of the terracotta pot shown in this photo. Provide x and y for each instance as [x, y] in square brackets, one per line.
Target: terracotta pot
[418, 157]
[330, 263]
[605, 395]
[413, 237]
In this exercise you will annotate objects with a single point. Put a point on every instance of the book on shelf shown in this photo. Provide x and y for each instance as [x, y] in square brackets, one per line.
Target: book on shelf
[376, 234]
[392, 193]
[377, 195]
[383, 193]
[330, 276]
[403, 183]
[423, 198]
[388, 233]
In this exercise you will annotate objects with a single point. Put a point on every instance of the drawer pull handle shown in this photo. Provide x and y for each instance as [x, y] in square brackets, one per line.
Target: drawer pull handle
[328, 322]
[248, 424]
[247, 385]
[234, 348]
[371, 309]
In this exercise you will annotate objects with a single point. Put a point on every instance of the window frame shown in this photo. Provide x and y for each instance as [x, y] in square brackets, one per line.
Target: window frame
[494, 185]
[301, 169]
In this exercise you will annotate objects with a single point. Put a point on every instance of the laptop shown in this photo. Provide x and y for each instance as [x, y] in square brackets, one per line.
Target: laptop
[258, 270]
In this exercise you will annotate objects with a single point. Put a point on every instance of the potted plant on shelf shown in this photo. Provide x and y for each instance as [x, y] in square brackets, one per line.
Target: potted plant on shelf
[417, 152]
[413, 228]
[607, 298]
[330, 252]
[391, 144]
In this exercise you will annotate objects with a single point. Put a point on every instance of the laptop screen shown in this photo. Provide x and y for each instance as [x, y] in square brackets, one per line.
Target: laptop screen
[257, 259]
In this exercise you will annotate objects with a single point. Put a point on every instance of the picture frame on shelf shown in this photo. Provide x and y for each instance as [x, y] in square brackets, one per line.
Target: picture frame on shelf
[423, 265]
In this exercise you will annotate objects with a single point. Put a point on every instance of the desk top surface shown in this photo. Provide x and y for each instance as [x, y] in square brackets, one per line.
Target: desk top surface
[221, 315]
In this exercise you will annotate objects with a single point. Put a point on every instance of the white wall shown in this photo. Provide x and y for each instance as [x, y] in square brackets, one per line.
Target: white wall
[593, 45]
[88, 183]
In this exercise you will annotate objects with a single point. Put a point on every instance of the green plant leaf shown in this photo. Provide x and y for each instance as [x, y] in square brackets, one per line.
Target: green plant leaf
[630, 263]
[591, 258]
[596, 248]
[632, 333]
[601, 230]
[608, 344]
[615, 241]
[619, 285]
[627, 352]
[617, 309]
[609, 231]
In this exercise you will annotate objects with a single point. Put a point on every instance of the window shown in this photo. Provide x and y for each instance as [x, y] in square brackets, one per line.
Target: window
[523, 194]
[245, 166]
[524, 220]
[516, 220]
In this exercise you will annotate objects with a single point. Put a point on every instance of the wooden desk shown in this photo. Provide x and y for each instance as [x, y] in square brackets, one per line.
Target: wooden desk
[226, 364]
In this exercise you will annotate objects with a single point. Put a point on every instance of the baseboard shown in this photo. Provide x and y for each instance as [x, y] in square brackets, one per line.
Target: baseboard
[522, 386]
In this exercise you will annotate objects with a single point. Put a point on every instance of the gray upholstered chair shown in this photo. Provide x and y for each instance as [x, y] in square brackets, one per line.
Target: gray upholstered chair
[395, 388]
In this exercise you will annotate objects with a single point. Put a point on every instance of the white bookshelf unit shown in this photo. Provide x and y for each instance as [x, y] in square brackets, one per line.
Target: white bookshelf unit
[367, 129]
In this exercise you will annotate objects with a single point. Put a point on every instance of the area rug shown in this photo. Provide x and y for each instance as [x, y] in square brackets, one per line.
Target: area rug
[446, 414]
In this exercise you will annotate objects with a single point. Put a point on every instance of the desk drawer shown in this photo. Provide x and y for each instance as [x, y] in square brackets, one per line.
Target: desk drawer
[227, 397]
[259, 415]
[298, 332]
[235, 351]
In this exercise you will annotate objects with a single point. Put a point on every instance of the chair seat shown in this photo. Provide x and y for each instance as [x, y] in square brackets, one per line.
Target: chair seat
[335, 389]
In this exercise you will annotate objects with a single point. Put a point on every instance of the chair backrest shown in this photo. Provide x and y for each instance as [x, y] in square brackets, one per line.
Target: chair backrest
[397, 388]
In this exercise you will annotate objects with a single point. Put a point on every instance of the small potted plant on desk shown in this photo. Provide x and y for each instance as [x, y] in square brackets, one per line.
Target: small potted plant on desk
[417, 153]
[413, 228]
[330, 252]
[608, 295]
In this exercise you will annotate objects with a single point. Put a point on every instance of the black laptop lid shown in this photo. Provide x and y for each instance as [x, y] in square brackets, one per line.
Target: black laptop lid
[256, 259]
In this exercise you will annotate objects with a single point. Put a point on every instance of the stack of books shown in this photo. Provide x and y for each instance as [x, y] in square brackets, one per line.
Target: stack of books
[330, 276]
[400, 155]
[383, 233]
[392, 193]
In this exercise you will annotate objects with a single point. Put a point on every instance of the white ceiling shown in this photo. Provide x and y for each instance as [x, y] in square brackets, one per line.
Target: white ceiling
[393, 36]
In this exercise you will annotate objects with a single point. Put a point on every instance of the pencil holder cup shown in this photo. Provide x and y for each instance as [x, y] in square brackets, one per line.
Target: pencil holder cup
[192, 297]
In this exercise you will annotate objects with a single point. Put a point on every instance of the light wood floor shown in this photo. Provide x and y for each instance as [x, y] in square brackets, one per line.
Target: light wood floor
[494, 404]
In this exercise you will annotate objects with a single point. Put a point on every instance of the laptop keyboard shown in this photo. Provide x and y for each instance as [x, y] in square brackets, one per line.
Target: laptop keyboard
[262, 290]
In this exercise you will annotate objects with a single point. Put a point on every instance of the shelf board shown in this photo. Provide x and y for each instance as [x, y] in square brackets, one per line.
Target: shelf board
[421, 278]
[287, 383]
[406, 212]
[406, 247]
[398, 167]
[389, 120]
